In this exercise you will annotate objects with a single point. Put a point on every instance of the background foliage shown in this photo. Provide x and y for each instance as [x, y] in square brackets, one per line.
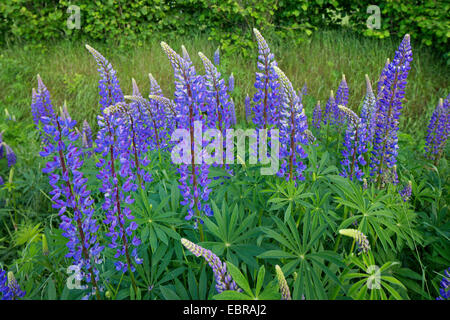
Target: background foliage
[226, 21]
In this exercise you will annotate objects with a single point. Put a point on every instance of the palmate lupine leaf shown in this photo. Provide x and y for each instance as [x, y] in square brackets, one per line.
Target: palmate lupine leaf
[303, 255]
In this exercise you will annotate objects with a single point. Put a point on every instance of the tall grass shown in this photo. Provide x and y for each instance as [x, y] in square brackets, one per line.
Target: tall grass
[70, 72]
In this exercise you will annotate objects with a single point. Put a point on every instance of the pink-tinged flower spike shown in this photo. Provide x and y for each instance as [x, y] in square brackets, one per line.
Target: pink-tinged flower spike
[70, 194]
[108, 84]
[317, 116]
[385, 142]
[355, 145]
[282, 284]
[293, 124]
[223, 278]
[438, 130]
[190, 96]
[368, 111]
[267, 97]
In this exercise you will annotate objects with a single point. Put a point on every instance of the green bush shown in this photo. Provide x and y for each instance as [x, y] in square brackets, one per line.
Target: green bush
[228, 22]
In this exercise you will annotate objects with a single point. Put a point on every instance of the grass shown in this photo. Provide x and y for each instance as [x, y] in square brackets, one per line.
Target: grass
[70, 72]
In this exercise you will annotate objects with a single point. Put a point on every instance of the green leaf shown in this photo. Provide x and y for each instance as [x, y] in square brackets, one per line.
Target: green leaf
[239, 278]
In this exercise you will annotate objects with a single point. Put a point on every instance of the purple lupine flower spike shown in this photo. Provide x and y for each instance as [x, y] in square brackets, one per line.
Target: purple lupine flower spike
[444, 290]
[438, 130]
[368, 111]
[190, 95]
[355, 143]
[70, 191]
[217, 57]
[341, 100]
[233, 113]
[221, 115]
[292, 131]
[231, 83]
[110, 91]
[317, 116]
[406, 192]
[87, 141]
[389, 105]
[114, 146]
[328, 112]
[248, 108]
[9, 288]
[223, 278]
[267, 98]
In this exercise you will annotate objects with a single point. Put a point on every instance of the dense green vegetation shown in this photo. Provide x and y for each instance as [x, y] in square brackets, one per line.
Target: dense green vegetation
[259, 221]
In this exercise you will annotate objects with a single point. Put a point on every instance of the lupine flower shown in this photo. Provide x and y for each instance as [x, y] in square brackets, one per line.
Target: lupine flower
[217, 97]
[385, 143]
[231, 83]
[87, 142]
[309, 136]
[355, 145]
[223, 278]
[444, 290]
[317, 116]
[304, 90]
[14, 287]
[163, 117]
[342, 93]
[282, 284]
[293, 124]
[438, 130]
[217, 57]
[9, 288]
[382, 77]
[368, 111]
[113, 146]
[6, 151]
[329, 110]
[190, 94]
[138, 150]
[233, 113]
[70, 192]
[109, 87]
[185, 54]
[341, 100]
[406, 192]
[267, 97]
[360, 239]
[41, 102]
[248, 108]
[2, 182]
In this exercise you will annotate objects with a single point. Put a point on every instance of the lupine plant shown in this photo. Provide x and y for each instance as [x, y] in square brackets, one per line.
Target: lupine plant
[340, 211]
[438, 130]
[388, 110]
[292, 127]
